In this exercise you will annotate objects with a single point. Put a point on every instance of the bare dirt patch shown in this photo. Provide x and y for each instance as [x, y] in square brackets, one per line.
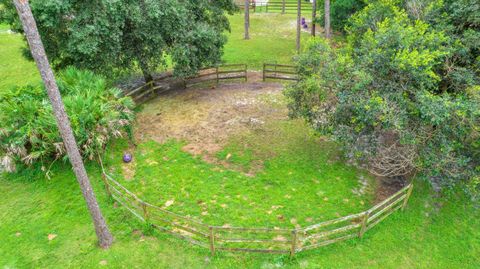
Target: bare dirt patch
[206, 116]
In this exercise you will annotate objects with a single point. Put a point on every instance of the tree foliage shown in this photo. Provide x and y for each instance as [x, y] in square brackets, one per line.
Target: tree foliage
[29, 133]
[110, 36]
[340, 12]
[388, 98]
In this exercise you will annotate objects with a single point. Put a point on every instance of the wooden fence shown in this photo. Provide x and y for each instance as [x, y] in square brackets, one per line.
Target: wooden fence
[283, 6]
[219, 73]
[266, 240]
[167, 81]
[279, 71]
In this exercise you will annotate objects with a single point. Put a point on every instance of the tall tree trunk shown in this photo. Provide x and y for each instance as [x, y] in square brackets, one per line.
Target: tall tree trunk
[283, 6]
[328, 29]
[247, 19]
[147, 75]
[299, 27]
[38, 52]
[314, 16]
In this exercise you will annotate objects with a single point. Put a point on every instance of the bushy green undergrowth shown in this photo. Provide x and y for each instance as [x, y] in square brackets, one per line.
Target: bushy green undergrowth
[299, 180]
[28, 130]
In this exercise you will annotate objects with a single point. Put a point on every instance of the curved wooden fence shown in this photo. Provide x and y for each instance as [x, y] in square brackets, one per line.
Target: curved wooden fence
[267, 240]
[167, 81]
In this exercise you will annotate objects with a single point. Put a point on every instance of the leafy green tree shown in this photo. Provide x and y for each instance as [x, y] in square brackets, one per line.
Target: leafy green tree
[381, 97]
[340, 12]
[114, 36]
[460, 20]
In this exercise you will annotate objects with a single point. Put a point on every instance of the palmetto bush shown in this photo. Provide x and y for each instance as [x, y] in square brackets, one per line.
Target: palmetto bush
[28, 131]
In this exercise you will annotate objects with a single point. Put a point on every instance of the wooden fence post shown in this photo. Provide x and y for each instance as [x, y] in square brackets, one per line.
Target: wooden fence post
[212, 240]
[409, 192]
[363, 228]
[107, 187]
[145, 212]
[216, 71]
[293, 248]
[246, 73]
[150, 88]
[264, 66]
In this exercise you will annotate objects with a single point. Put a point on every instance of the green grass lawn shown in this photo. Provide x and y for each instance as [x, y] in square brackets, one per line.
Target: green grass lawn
[32, 207]
[15, 70]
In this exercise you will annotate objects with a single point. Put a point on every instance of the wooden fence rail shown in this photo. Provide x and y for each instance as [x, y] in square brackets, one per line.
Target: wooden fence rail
[283, 7]
[279, 71]
[263, 240]
[167, 81]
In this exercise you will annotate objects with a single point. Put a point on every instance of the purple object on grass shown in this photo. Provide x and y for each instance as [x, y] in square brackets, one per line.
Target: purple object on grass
[127, 158]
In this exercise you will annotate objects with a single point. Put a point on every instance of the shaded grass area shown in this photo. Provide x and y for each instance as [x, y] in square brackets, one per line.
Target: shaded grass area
[15, 70]
[301, 179]
[424, 236]
[272, 40]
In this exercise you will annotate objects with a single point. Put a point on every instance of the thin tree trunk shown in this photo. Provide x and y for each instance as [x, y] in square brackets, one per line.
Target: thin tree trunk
[247, 19]
[147, 75]
[314, 16]
[299, 28]
[328, 29]
[38, 52]
[283, 6]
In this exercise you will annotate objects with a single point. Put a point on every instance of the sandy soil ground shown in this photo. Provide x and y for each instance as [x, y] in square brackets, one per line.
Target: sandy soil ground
[205, 117]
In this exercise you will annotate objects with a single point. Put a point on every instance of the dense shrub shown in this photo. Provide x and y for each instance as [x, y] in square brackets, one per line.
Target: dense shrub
[381, 97]
[28, 130]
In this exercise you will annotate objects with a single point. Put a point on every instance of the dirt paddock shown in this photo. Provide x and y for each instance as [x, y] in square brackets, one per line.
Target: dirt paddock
[205, 116]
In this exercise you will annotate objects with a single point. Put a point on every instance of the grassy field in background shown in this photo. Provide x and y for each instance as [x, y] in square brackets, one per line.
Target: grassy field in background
[272, 40]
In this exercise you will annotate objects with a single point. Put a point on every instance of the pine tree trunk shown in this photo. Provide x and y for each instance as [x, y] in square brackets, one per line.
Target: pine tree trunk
[247, 19]
[314, 16]
[328, 29]
[299, 27]
[38, 53]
